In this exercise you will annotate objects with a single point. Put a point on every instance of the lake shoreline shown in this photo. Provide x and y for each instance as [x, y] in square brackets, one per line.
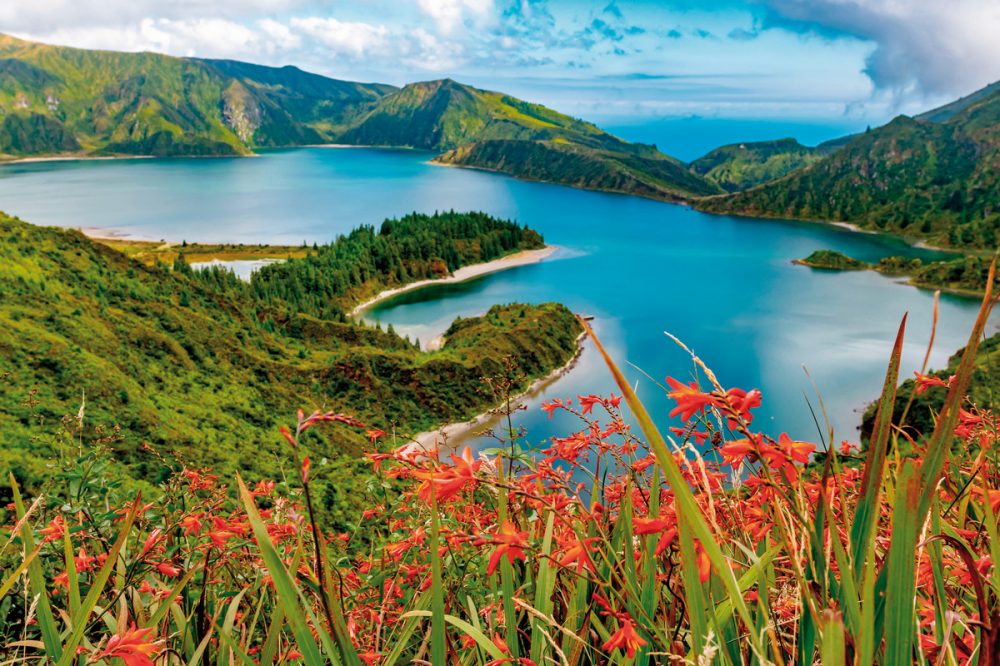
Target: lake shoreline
[430, 438]
[463, 274]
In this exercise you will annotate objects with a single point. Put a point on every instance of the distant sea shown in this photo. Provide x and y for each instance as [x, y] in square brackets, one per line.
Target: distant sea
[688, 138]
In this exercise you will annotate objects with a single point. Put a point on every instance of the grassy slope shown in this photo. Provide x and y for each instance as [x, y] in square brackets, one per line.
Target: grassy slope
[145, 103]
[920, 179]
[193, 370]
[739, 166]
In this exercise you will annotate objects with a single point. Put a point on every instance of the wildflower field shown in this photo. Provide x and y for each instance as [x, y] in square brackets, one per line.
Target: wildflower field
[715, 543]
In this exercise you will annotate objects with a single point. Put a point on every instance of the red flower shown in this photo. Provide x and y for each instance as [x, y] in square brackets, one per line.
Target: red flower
[795, 450]
[626, 638]
[509, 542]
[54, 531]
[924, 382]
[132, 647]
[576, 552]
[690, 399]
[446, 482]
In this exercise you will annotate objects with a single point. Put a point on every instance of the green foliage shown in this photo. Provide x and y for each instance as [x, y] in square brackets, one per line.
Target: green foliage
[491, 130]
[916, 178]
[198, 367]
[740, 166]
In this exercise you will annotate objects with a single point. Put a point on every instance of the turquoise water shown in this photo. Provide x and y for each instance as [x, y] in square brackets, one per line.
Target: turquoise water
[725, 286]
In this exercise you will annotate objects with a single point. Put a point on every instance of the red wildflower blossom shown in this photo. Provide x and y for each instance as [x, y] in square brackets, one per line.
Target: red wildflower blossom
[445, 482]
[510, 542]
[132, 647]
[689, 398]
[626, 638]
[54, 531]
[925, 382]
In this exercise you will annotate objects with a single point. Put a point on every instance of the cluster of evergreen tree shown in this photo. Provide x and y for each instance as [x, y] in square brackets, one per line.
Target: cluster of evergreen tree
[365, 261]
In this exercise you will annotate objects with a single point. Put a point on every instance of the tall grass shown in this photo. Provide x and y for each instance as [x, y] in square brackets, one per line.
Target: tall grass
[618, 544]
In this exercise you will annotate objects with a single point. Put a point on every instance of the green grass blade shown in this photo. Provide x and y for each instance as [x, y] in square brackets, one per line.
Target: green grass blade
[438, 638]
[833, 649]
[12, 578]
[43, 613]
[543, 592]
[472, 632]
[900, 627]
[867, 512]
[285, 588]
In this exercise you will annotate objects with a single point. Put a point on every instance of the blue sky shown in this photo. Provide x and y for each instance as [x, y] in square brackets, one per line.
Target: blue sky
[612, 60]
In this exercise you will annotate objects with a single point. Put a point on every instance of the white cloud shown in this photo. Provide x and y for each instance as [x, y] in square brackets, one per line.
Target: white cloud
[448, 15]
[280, 34]
[928, 47]
[425, 51]
[41, 16]
[213, 38]
[343, 37]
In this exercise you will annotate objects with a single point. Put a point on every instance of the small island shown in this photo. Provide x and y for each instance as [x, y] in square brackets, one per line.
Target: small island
[962, 275]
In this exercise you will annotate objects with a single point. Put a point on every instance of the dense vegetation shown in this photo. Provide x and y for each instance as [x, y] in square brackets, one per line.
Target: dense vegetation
[916, 177]
[740, 166]
[966, 274]
[614, 545]
[195, 364]
[366, 261]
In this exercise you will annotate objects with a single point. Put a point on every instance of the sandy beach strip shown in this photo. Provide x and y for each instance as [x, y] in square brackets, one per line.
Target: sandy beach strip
[464, 273]
[432, 438]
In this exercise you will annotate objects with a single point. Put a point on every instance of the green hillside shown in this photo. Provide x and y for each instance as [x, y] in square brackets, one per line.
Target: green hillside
[739, 166]
[65, 99]
[202, 367]
[934, 181]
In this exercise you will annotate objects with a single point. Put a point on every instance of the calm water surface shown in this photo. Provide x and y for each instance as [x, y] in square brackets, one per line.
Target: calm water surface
[725, 286]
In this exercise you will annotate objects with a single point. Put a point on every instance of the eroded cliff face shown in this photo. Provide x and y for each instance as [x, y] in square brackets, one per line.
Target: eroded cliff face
[241, 111]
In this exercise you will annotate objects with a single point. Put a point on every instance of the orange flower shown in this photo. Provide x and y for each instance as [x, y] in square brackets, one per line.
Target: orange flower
[924, 382]
[446, 482]
[797, 451]
[626, 638]
[54, 531]
[508, 542]
[576, 552]
[690, 399]
[132, 647]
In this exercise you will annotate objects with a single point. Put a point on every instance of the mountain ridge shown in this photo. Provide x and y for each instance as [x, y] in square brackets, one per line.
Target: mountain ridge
[59, 100]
